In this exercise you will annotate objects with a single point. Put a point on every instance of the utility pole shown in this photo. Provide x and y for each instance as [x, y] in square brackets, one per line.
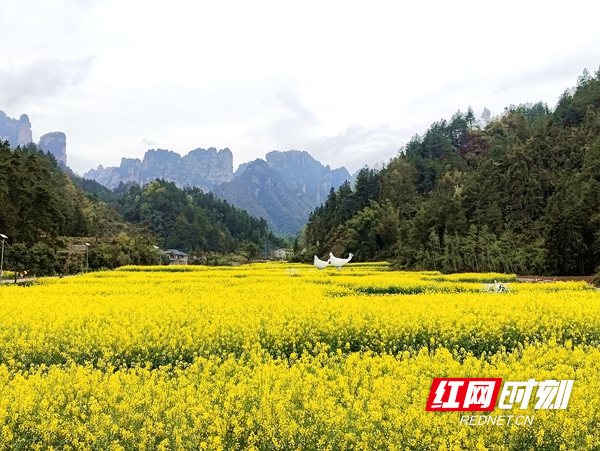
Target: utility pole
[87, 257]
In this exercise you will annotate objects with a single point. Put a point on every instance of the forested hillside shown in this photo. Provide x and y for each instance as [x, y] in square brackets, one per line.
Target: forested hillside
[49, 215]
[518, 194]
[190, 220]
[48, 219]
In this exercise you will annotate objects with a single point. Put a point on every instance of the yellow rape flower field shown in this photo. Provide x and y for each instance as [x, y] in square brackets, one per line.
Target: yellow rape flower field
[286, 357]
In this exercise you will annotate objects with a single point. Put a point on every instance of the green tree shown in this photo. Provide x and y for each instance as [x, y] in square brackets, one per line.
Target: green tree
[17, 258]
[43, 260]
[251, 250]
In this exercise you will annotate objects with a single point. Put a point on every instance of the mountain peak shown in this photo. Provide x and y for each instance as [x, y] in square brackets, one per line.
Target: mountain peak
[56, 144]
[203, 168]
[16, 131]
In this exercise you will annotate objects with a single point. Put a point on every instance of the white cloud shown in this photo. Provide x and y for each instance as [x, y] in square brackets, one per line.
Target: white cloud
[348, 81]
[149, 142]
[41, 79]
[350, 147]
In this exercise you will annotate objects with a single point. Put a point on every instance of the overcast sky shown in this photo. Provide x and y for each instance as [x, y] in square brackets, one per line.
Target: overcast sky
[349, 82]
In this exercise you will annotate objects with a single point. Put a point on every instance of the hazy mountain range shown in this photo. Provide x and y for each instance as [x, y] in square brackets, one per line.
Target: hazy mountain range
[204, 168]
[283, 188]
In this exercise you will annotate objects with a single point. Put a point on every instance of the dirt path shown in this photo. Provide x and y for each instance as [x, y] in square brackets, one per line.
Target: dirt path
[12, 281]
[33, 279]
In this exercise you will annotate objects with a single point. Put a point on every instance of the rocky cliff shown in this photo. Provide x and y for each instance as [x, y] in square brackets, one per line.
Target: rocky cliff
[56, 144]
[206, 167]
[111, 177]
[16, 131]
[305, 175]
[203, 168]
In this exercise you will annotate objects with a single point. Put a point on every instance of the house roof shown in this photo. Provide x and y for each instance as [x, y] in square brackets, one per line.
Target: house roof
[176, 252]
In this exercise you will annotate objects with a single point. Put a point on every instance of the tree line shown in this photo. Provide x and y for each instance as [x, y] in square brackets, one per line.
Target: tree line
[49, 215]
[519, 193]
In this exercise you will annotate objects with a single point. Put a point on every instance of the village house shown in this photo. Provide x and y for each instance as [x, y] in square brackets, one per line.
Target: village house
[177, 257]
[281, 254]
